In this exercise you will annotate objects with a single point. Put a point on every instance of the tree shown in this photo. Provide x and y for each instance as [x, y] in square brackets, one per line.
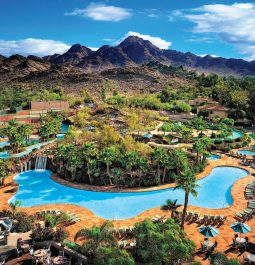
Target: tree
[186, 181]
[14, 132]
[50, 125]
[113, 256]
[171, 206]
[95, 238]
[162, 243]
[108, 156]
[167, 127]
[14, 206]
[26, 131]
[158, 157]
[81, 119]
[4, 165]
[142, 165]
[186, 134]
[107, 136]
[89, 153]
[201, 146]
[199, 124]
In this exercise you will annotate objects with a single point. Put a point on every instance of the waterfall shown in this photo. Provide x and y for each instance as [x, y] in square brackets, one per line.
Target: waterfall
[25, 166]
[40, 162]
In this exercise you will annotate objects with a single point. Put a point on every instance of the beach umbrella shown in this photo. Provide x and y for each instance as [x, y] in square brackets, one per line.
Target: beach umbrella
[208, 231]
[239, 227]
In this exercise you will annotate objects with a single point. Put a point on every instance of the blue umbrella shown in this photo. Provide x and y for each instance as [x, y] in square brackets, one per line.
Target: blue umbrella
[239, 227]
[208, 231]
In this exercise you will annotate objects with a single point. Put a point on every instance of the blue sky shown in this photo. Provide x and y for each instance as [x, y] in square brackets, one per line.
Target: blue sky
[220, 28]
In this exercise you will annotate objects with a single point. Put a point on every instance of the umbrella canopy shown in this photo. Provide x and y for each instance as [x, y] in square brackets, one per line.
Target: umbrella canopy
[147, 135]
[239, 227]
[208, 231]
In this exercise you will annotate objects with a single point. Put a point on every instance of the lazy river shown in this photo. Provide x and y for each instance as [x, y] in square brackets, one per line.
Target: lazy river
[37, 188]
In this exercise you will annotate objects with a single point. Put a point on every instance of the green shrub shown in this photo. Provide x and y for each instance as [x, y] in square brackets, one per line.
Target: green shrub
[218, 141]
[61, 234]
[50, 220]
[72, 245]
[24, 224]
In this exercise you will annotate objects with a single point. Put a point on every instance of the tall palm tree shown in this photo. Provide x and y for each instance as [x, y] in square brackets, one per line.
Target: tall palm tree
[109, 155]
[158, 156]
[171, 206]
[89, 153]
[96, 237]
[186, 181]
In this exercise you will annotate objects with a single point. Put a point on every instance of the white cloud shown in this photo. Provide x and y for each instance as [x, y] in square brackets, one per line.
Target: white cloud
[93, 48]
[30, 46]
[102, 12]
[233, 24]
[212, 55]
[157, 41]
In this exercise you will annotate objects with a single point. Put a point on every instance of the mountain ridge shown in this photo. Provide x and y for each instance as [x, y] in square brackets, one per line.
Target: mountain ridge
[131, 52]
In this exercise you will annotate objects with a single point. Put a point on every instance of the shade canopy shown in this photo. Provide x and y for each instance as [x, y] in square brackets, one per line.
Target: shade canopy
[239, 227]
[147, 135]
[208, 231]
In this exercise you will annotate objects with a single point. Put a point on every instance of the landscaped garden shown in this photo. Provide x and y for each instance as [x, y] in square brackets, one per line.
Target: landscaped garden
[161, 182]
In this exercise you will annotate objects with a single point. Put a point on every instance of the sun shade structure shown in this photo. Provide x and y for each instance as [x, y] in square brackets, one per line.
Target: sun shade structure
[242, 228]
[208, 231]
[147, 135]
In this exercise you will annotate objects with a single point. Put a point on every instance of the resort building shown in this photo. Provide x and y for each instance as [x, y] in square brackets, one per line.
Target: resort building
[214, 110]
[37, 109]
[200, 101]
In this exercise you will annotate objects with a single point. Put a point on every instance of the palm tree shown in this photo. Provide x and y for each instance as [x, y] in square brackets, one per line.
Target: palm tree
[158, 157]
[131, 160]
[171, 206]
[186, 181]
[142, 165]
[89, 152]
[96, 237]
[109, 155]
[4, 165]
[14, 206]
[26, 131]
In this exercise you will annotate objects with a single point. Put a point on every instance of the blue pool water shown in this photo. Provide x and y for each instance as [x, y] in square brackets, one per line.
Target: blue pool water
[4, 155]
[3, 144]
[37, 188]
[246, 152]
[235, 135]
[64, 128]
[214, 157]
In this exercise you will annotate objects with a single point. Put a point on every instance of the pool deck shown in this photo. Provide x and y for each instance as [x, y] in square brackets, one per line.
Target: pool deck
[88, 219]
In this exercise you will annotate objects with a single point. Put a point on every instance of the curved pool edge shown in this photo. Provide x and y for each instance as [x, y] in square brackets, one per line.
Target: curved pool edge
[93, 212]
[148, 213]
[223, 161]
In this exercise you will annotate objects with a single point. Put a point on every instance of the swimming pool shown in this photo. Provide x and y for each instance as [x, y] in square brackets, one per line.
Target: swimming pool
[37, 188]
[235, 135]
[214, 157]
[3, 144]
[246, 152]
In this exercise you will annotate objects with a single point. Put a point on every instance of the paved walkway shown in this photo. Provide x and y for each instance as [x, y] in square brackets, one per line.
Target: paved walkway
[88, 219]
